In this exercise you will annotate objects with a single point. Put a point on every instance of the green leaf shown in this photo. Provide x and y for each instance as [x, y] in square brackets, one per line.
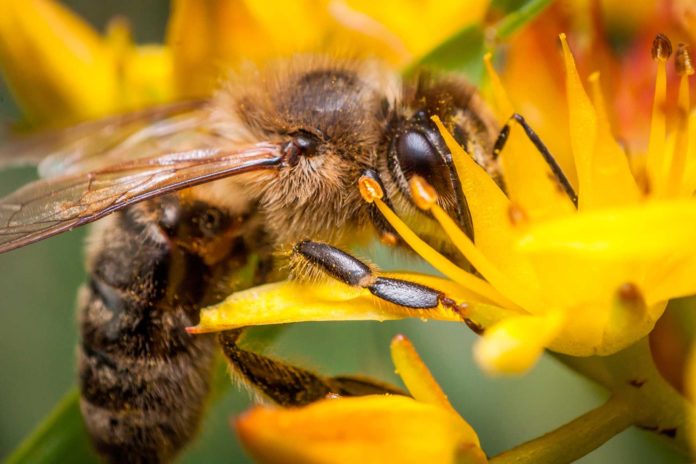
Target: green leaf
[463, 52]
[460, 53]
[517, 18]
[61, 437]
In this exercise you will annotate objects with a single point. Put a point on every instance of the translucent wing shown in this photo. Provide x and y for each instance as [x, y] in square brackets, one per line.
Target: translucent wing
[49, 206]
[107, 141]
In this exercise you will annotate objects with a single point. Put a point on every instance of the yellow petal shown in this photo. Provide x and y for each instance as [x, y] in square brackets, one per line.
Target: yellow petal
[583, 125]
[145, 72]
[671, 277]
[583, 259]
[208, 37]
[502, 104]
[196, 41]
[418, 31]
[522, 294]
[675, 175]
[286, 302]
[612, 183]
[148, 76]
[416, 375]
[420, 382]
[645, 231]
[690, 174]
[514, 345]
[608, 323]
[539, 99]
[369, 429]
[57, 66]
[529, 180]
[629, 319]
[490, 212]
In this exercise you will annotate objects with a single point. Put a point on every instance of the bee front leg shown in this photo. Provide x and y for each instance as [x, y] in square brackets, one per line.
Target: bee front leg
[290, 385]
[541, 148]
[342, 266]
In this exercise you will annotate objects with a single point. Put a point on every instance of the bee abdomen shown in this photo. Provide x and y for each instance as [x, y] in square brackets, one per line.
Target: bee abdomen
[149, 417]
[143, 379]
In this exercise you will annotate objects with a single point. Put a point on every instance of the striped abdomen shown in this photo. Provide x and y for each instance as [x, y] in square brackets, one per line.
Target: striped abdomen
[143, 379]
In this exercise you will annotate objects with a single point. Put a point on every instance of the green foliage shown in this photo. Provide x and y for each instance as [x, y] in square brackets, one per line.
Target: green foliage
[463, 51]
[61, 437]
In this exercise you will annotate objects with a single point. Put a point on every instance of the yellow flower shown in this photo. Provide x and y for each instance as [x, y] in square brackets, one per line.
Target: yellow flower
[61, 70]
[368, 429]
[206, 37]
[581, 281]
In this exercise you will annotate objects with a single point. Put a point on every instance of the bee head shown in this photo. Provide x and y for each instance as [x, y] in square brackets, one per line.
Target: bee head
[415, 147]
[328, 117]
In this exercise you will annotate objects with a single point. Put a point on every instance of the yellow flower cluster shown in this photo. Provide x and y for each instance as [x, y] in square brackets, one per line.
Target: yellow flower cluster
[582, 281]
[61, 70]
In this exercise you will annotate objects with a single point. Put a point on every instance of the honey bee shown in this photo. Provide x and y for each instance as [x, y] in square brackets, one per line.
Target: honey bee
[188, 193]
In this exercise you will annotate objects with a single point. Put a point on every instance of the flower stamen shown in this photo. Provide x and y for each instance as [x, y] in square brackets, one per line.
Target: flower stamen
[467, 248]
[434, 258]
[661, 51]
[675, 177]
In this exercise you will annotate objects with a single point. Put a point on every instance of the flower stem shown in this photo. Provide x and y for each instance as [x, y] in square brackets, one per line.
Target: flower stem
[574, 439]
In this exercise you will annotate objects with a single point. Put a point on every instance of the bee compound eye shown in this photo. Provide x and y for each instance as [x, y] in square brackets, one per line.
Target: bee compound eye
[416, 155]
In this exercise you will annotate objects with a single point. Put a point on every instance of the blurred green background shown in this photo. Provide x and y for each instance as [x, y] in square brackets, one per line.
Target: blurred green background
[38, 336]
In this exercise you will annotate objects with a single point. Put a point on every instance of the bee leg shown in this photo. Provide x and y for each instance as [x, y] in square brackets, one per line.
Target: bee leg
[541, 148]
[289, 385]
[351, 271]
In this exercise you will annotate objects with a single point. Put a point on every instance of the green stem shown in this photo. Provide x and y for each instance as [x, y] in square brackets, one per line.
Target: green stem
[573, 440]
[631, 374]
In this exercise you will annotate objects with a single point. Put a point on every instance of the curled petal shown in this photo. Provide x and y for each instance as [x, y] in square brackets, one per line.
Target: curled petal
[644, 231]
[599, 251]
[515, 344]
[369, 429]
[415, 374]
